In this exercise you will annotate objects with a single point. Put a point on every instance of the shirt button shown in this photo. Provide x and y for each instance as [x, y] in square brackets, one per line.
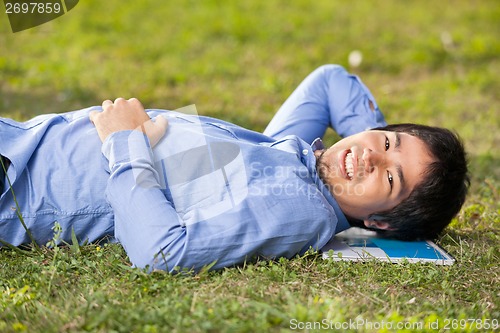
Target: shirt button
[305, 151]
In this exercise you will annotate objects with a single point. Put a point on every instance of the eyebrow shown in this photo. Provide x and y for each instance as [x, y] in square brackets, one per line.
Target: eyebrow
[401, 176]
[398, 140]
[399, 169]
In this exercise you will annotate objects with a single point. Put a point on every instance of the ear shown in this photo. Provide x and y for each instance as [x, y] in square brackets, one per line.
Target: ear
[377, 225]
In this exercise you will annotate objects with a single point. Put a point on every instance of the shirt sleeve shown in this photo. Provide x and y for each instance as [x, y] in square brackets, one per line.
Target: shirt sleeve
[350, 103]
[144, 219]
[328, 97]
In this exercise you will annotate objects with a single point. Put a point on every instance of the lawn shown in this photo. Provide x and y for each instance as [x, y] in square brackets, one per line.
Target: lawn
[430, 62]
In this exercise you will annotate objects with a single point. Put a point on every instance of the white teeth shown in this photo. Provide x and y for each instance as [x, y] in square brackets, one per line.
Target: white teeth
[349, 166]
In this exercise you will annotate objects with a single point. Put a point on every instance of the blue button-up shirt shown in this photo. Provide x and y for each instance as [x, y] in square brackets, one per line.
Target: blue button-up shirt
[209, 191]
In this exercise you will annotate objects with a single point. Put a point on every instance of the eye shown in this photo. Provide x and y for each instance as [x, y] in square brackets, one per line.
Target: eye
[387, 143]
[389, 178]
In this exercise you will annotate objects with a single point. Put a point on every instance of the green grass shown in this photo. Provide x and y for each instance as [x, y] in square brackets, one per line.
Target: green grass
[239, 60]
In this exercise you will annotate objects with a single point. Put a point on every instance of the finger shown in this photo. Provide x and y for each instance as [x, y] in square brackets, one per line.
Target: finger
[135, 103]
[93, 115]
[156, 129]
[119, 100]
[106, 104]
[161, 123]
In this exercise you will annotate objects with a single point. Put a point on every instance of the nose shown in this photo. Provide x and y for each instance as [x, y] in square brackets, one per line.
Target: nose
[372, 159]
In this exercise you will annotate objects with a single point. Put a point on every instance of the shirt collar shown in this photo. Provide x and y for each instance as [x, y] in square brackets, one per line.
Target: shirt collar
[317, 145]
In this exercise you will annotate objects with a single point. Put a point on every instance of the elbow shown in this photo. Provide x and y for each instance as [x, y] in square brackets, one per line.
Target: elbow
[154, 258]
[150, 261]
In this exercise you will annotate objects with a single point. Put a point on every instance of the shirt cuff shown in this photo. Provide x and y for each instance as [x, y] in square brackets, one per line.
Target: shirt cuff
[125, 146]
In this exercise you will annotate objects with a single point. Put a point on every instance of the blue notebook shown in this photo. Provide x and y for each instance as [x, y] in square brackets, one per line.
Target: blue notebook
[360, 245]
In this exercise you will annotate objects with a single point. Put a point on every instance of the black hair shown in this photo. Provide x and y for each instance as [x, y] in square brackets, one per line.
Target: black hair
[433, 202]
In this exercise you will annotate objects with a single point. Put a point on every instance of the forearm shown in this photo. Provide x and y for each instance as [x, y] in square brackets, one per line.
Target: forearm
[145, 221]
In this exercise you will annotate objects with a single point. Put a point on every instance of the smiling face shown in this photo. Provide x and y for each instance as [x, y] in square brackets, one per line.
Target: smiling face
[373, 171]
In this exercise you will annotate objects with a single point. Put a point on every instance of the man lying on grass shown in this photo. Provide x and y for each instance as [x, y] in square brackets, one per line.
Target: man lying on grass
[184, 191]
